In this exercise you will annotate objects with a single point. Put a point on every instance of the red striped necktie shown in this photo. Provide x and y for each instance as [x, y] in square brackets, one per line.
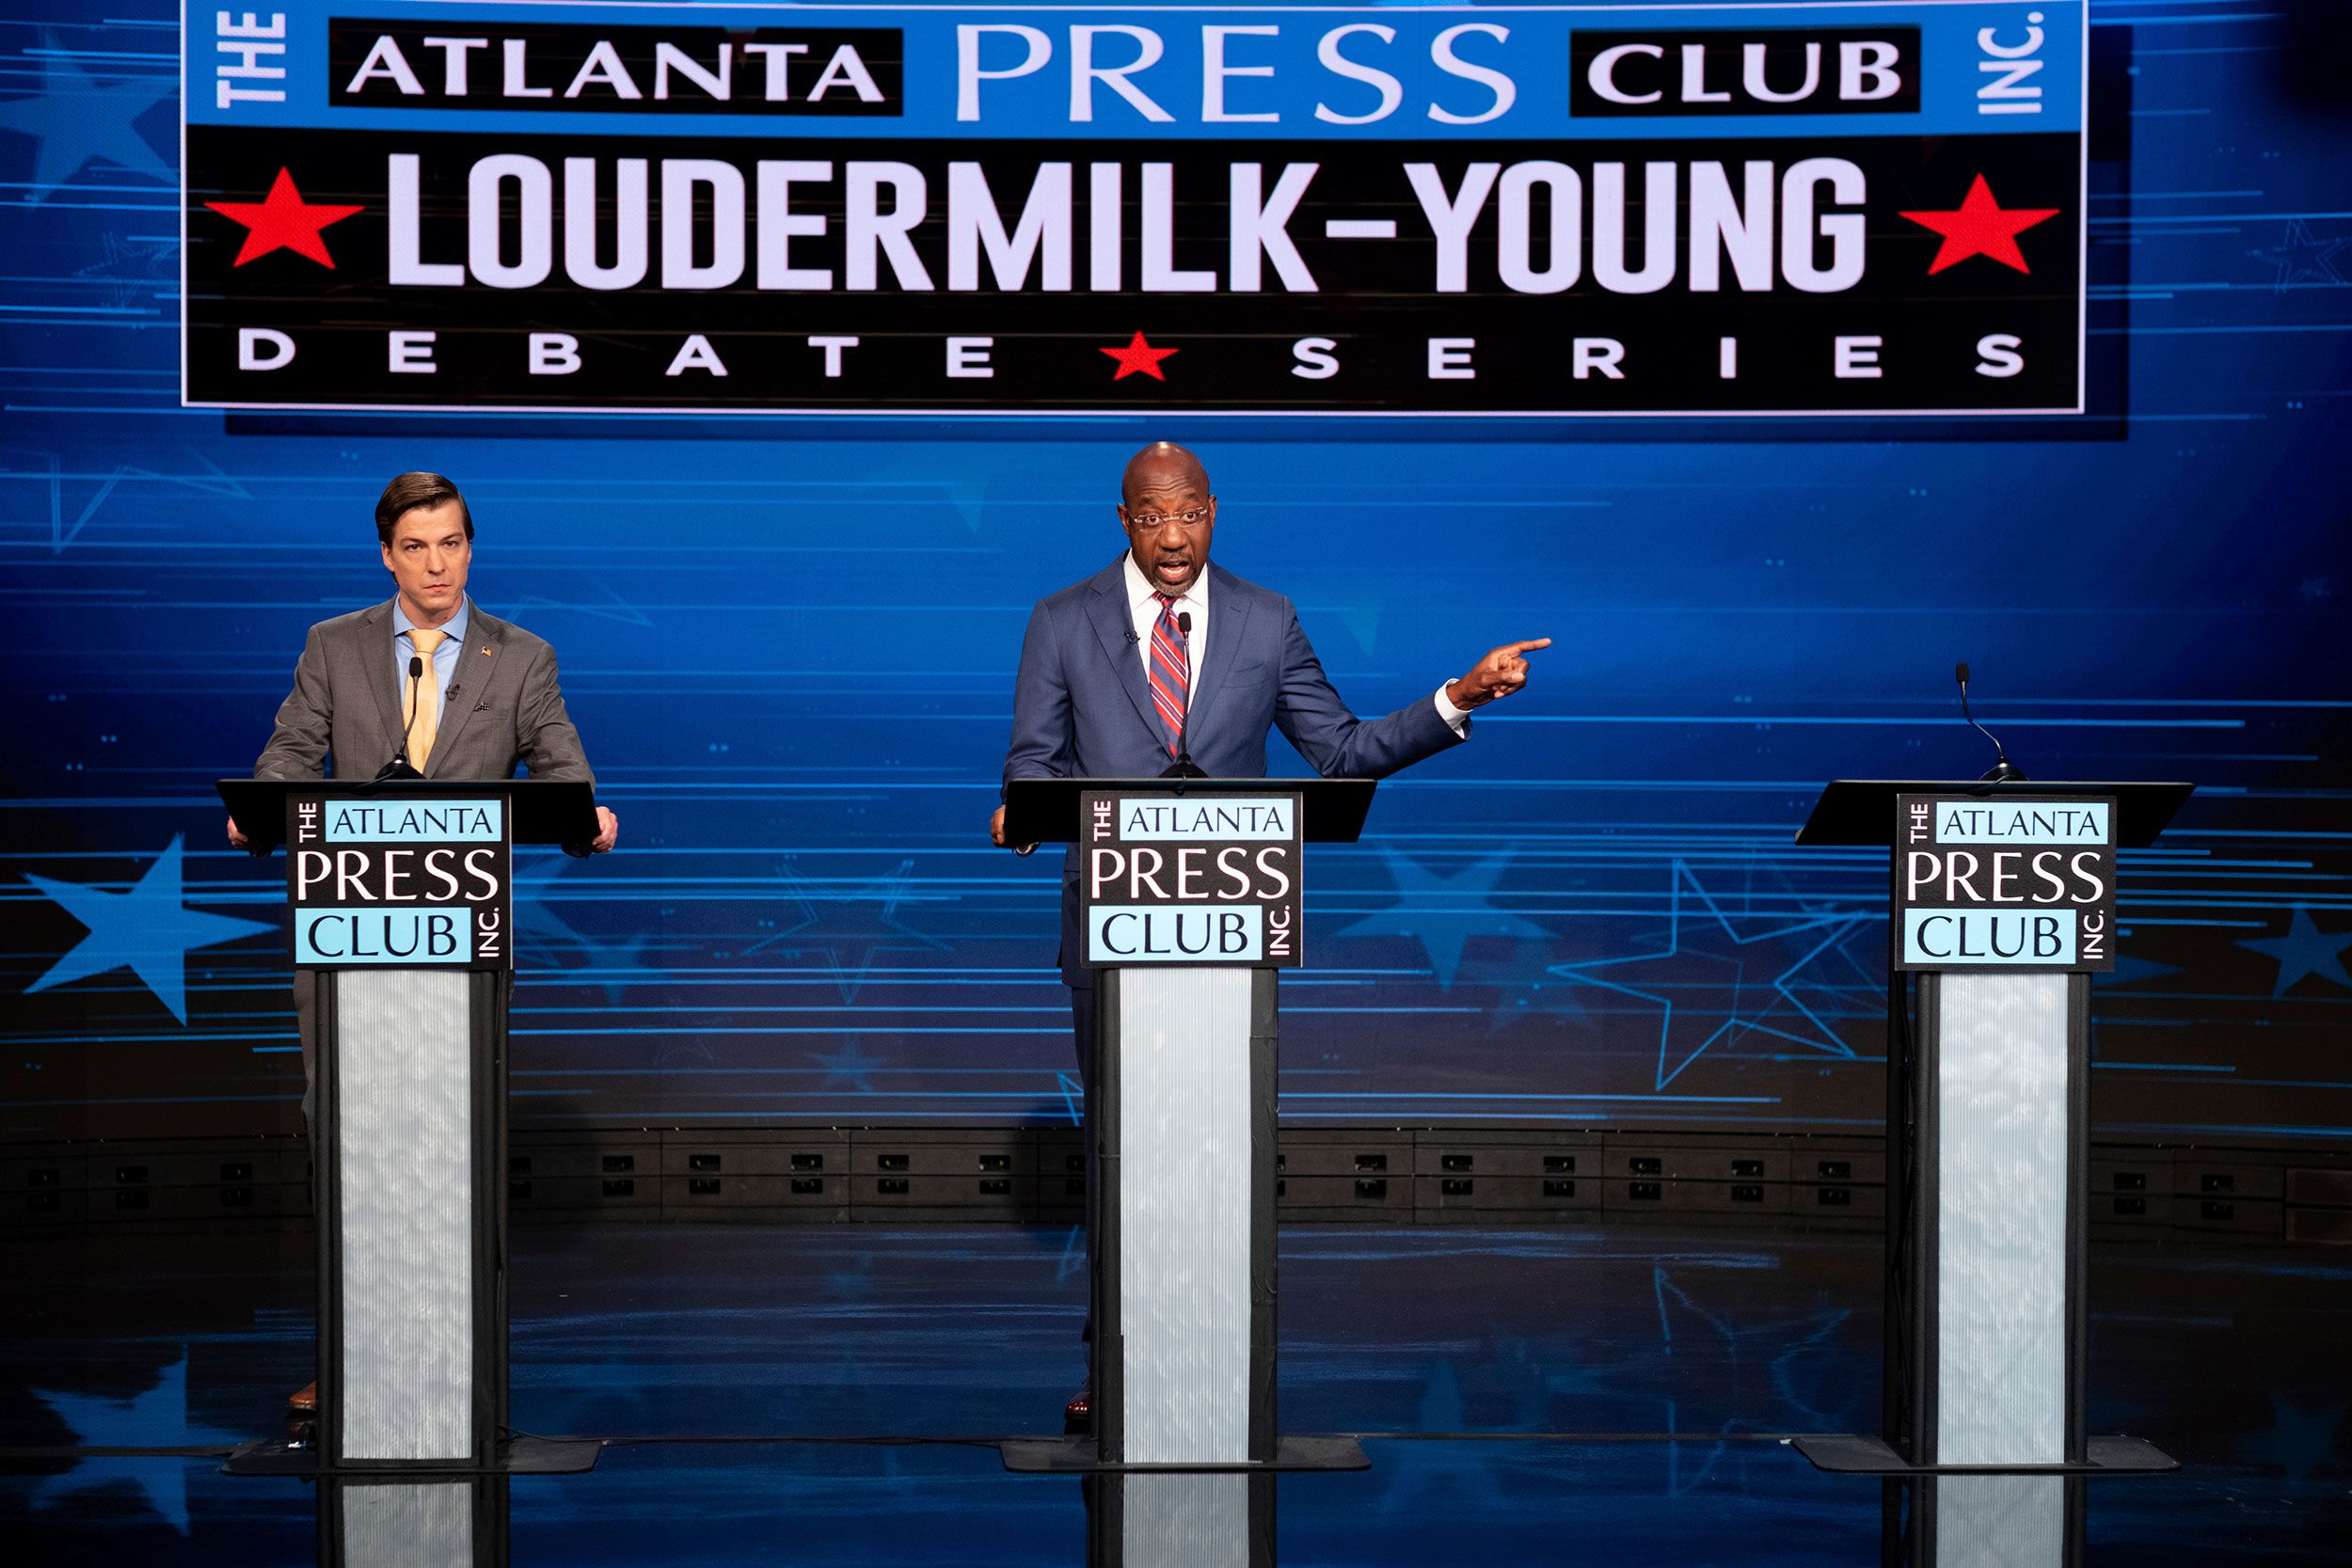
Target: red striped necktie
[1171, 670]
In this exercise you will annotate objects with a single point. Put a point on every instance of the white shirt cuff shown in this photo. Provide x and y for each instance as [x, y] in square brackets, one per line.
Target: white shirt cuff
[1456, 718]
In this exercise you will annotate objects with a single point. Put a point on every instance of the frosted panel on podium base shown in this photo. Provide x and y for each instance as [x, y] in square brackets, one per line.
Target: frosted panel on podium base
[405, 1141]
[1185, 1224]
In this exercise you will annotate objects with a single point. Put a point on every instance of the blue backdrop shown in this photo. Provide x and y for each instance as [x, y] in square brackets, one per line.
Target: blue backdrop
[789, 646]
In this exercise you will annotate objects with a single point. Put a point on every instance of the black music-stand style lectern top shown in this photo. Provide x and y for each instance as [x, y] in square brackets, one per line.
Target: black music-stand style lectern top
[1856, 813]
[554, 812]
[1046, 811]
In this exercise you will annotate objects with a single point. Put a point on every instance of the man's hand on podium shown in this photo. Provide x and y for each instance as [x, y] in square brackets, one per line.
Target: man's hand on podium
[608, 828]
[1502, 672]
[997, 834]
[236, 836]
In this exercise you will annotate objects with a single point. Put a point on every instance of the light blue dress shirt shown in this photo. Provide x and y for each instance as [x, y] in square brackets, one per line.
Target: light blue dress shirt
[444, 656]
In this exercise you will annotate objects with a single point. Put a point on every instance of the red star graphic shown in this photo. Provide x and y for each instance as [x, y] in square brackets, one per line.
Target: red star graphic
[1139, 356]
[1980, 226]
[283, 222]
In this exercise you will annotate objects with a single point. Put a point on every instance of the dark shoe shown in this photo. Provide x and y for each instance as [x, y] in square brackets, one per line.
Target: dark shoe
[305, 1403]
[1077, 1417]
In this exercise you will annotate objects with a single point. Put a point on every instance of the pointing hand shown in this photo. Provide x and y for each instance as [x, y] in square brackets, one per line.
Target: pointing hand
[1501, 672]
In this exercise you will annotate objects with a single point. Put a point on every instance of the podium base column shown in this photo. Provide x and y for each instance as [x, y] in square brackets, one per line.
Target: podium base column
[410, 1150]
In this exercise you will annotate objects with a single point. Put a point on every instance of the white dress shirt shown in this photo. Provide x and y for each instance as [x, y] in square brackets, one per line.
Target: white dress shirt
[1143, 610]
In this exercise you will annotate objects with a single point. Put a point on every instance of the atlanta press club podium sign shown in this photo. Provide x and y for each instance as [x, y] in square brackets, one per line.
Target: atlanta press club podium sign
[405, 881]
[2020, 882]
[1199, 880]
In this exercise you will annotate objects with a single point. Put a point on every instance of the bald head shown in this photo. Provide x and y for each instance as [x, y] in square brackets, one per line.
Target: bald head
[1161, 466]
[1168, 516]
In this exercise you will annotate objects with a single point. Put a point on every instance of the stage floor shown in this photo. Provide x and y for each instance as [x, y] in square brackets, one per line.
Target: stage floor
[1627, 1388]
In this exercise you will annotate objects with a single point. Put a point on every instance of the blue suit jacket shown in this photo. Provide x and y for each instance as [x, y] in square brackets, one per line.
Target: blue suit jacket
[1081, 707]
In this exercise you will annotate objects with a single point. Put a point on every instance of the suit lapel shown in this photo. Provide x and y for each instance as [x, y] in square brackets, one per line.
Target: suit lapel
[1232, 619]
[380, 659]
[469, 684]
[1116, 629]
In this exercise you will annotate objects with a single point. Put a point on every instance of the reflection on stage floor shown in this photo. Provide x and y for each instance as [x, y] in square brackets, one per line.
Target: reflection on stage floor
[831, 1395]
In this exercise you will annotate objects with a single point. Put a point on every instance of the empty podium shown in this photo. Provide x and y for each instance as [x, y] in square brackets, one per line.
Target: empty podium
[2002, 907]
[402, 912]
[1190, 901]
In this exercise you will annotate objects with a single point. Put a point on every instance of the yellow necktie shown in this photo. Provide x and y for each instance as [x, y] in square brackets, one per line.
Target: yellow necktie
[425, 717]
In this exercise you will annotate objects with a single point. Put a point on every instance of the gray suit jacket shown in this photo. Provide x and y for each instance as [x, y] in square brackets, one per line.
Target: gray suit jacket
[503, 705]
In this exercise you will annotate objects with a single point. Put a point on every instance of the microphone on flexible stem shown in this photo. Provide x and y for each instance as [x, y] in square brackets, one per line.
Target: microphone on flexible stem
[2003, 770]
[399, 767]
[1184, 766]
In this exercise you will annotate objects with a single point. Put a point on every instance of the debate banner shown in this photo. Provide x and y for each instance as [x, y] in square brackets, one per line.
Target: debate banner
[1829, 209]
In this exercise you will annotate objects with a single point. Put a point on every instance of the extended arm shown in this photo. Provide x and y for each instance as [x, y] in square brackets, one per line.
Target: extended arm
[1338, 744]
[1341, 746]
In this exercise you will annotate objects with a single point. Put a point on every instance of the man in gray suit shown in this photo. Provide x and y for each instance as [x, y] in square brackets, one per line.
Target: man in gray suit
[483, 699]
[429, 680]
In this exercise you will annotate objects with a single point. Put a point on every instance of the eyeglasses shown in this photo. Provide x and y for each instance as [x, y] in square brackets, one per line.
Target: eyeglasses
[1149, 520]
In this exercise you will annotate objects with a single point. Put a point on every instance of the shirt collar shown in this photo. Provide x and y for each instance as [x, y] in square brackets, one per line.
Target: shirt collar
[454, 625]
[1140, 587]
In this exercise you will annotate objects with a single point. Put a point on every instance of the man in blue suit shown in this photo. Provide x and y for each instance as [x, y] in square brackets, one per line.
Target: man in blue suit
[1161, 652]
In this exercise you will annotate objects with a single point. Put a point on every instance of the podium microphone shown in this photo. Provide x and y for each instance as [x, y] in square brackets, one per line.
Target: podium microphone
[399, 767]
[1184, 766]
[2003, 770]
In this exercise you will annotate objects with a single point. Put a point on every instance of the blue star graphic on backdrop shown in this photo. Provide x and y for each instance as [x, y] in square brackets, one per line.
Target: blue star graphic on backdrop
[1443, 912]
[157, 1419]
[537, 927]
[1073, 1096]
[213, 482]
[612, 607]
[77, 122]
[146, 931]
[1765, 992]
[851, 1066]
[612, 966]
[1353, 598]
[2304, 259]
[1528, 988]
[852, 922]
[132, 275]
[2304, 950]
[2130, 970]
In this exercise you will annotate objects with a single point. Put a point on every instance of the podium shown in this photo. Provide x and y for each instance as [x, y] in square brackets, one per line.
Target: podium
[401, 902]
[1189, 896]
[2002, 906]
